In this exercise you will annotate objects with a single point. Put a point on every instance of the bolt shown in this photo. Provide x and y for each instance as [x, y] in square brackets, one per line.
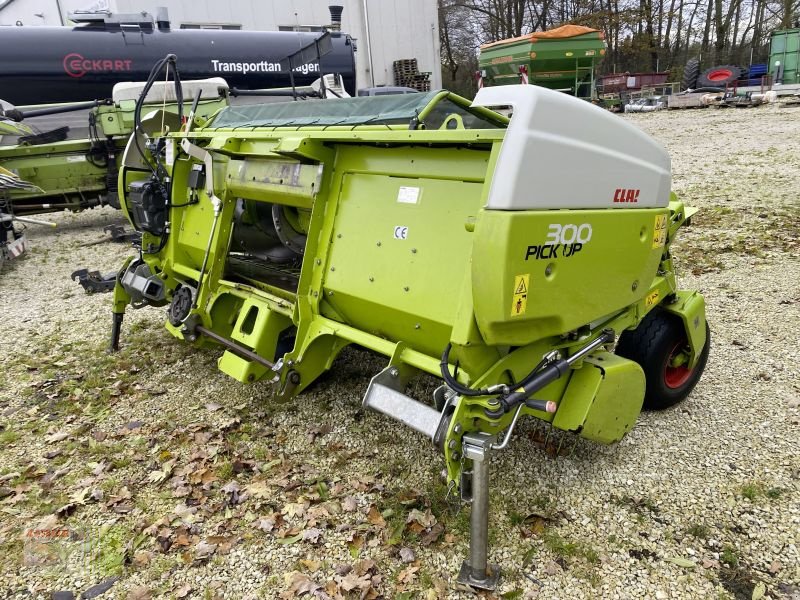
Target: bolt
[379, 243]
[333, 268]
[338, 235]
[634, 286]
[457, 428]
[417, 326]
[316, 294]
[394, 372]
[318, 261]
[451, 444]
[330, 292]
[405, 288]
[548, 270]
[456, 456]
[371, 278]
[413, 251]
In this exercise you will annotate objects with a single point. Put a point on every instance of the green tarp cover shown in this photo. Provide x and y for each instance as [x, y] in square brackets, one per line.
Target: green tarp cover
[377, 110]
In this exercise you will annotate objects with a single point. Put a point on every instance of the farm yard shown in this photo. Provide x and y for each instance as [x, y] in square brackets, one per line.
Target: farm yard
[181, 483]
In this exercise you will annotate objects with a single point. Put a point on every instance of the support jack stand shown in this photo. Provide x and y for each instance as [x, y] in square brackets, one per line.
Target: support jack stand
[475, 571]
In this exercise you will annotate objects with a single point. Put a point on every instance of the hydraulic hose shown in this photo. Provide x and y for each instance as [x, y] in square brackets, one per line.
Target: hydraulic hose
[137, 113]
[546, 375]
[454, 385]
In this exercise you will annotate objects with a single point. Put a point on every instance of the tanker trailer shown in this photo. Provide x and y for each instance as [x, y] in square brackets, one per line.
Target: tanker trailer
[66, 64]
[524, 262]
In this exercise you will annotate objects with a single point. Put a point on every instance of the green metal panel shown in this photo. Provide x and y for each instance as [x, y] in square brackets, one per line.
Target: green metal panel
[603, 398]
[390, 259]
[785, 50]
[690, 306]
[567, 285]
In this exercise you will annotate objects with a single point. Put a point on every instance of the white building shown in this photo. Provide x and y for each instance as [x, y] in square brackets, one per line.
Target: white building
[384, 30]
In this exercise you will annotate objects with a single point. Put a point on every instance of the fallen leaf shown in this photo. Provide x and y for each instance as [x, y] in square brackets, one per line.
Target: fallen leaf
[552, 568]
[57, 437]
[295, 509]
[213, 406]
[349, 504]
[759, 591]
[80, 496]
[290, 540]
[431, 536]
[298, 584]
[374, 517]
[407, 575]
[775, 567]
[140, 592]
[351, 581]
[266, 524]
[66, 510]
[142, 558]
[682, 562]
[183, 591]
[312, 535]
[710, 563]
[425, 519]
[259, 489]
[407, 555]
[203, 550]
[311, 565]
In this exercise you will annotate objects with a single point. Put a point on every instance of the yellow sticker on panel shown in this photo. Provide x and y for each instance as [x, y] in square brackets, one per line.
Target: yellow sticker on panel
[660, 231]
[651, 299]
[519, 303]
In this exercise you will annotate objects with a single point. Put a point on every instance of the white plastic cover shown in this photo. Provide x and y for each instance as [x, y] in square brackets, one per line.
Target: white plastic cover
[212, 88]
[563, 152]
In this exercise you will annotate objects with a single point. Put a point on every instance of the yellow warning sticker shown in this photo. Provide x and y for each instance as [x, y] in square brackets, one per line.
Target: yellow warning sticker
[519, 304]
[651, 299]
[660, 231]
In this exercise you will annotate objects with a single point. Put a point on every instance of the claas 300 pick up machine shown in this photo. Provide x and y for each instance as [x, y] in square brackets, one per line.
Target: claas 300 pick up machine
[524, 261]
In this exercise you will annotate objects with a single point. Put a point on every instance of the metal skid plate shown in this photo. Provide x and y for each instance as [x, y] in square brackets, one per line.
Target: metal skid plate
[465, 577]
[385, 396]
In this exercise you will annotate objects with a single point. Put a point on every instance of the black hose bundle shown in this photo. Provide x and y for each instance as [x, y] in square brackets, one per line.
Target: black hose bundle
[169, 59]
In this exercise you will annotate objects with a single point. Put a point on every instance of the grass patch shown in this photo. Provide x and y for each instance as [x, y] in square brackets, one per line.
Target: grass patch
[729, 556]
[567, 549]
[9, 436]
[699, 531]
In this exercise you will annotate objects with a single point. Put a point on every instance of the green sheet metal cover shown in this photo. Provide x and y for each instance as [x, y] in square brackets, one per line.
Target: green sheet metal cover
[378, 110]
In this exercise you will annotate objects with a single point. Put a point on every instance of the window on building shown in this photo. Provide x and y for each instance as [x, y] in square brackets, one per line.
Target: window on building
[233, 26]
[300, 28]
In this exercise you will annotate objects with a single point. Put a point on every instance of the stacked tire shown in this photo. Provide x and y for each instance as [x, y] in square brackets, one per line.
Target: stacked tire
[720, 76]
[690, 73]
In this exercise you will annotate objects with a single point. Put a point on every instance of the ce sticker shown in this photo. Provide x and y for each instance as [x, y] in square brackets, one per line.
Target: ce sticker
[400, 232]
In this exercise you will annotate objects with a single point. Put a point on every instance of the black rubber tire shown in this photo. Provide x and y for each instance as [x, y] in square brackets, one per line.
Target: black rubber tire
[651, 345]
[690, 72]
[713, 77]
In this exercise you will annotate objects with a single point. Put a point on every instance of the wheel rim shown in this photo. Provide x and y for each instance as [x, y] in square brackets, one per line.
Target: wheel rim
[676, 376]
[719, 74]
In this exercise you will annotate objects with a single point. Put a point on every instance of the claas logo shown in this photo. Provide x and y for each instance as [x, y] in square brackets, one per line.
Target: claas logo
[621, 195]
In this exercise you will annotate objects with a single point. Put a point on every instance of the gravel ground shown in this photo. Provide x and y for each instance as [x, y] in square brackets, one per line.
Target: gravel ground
[185, 484]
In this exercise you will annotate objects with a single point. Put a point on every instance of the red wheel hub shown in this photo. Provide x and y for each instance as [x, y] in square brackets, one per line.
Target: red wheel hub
[720, 74]
[675, 377]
